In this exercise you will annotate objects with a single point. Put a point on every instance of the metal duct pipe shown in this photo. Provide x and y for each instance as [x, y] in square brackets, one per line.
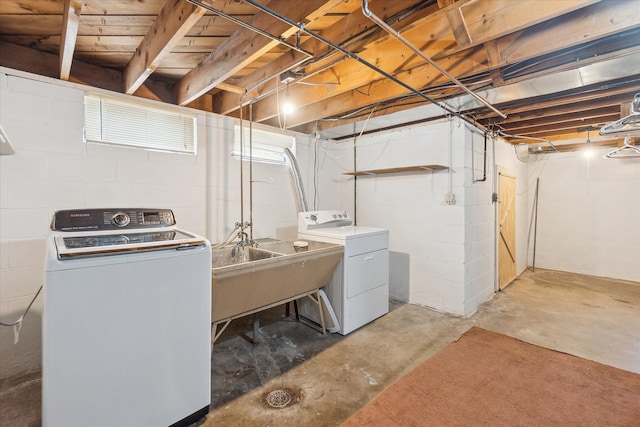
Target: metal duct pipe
[373, 17]
[354, 56]
[301, 197]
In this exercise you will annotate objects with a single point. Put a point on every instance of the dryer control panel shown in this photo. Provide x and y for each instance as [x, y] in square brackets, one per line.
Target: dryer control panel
[323, 219]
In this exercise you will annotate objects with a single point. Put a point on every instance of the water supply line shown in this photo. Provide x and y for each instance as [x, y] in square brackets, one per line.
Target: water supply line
[373, 17]
[242, 225]
[357, 58]
[241, 171]
[251, 172]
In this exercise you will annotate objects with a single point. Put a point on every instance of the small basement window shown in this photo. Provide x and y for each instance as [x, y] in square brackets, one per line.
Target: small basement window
[131, 123]
[267, 145]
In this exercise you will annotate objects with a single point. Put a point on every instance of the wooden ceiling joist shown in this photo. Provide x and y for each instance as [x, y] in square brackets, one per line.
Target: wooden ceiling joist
[174, 21]
[179, 52]
[46, 64]
[550, 119]
[543, 130]
[342, 32]
[242, 48]
[380, 91]
[70, 23]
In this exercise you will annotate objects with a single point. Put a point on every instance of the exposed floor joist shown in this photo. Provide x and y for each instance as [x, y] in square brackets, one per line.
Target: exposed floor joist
[174, 21]
[70, 22]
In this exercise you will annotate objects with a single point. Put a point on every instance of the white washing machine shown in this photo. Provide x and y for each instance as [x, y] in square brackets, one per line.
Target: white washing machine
[359, 289]
[126, 320]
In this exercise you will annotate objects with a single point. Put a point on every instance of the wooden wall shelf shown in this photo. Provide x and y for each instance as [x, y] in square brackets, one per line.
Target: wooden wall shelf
[432, 168]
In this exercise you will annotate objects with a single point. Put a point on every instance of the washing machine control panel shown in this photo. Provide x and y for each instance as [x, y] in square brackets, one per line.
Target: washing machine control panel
[323, 219]
[111, 219]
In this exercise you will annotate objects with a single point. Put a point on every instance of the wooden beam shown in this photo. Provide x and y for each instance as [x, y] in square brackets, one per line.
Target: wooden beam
[244, 47]
[574, 125]
[565, 102]
[70, 23]
[572, 147]
[550, 117]
[342, 32]
[349, 94]
[488, 20]
[459, 27]
[475, 60]
[230, 88]
[174, 21]
[393, 57]
[46, 64]
[591, 23]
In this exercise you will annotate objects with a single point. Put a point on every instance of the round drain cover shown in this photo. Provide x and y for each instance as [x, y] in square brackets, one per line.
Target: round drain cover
[278, 398]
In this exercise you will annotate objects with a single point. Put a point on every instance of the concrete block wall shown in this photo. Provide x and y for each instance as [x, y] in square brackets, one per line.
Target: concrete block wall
[479, 264]
[588, 210]
[441, 255]
[53, 169]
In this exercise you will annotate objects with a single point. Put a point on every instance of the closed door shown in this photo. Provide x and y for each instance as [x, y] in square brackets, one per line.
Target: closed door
[506, 229]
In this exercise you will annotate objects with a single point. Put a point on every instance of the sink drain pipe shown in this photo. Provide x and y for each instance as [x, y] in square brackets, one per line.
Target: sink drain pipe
[354, 56]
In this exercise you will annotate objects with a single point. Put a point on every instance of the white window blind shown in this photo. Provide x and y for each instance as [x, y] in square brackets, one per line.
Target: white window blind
[137, 124]
[267, 145]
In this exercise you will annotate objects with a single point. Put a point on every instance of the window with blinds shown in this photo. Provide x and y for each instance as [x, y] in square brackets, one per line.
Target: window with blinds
[137, 124]
[267, 145]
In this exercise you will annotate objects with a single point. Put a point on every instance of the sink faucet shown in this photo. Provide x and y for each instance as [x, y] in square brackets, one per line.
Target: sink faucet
[243, 236]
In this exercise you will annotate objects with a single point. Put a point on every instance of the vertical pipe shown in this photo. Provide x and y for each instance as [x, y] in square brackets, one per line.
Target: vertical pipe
[494, 184]
[241, 168]
[355, 177]
[535, 225]
[484, 174]
[251, 172]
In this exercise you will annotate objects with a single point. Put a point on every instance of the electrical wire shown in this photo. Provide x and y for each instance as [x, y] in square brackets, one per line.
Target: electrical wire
[21, 318]
[282, 123]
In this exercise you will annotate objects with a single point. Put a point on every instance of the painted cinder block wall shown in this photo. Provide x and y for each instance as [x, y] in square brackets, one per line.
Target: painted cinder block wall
[441, 255]
[54, 169]
[588, 210]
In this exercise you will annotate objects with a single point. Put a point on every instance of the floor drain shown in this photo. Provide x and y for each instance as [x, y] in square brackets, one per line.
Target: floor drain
[278, 399]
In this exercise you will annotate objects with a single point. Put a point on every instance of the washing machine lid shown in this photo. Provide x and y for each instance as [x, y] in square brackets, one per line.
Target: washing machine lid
[93, 245]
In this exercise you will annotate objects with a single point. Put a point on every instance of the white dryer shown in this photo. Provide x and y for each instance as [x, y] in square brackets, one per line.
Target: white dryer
[359, 289]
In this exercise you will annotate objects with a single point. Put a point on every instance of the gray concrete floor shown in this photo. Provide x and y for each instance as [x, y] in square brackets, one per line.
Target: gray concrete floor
[330, 377]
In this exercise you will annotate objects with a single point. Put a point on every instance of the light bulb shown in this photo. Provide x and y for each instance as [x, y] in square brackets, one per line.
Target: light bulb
[287, 107]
